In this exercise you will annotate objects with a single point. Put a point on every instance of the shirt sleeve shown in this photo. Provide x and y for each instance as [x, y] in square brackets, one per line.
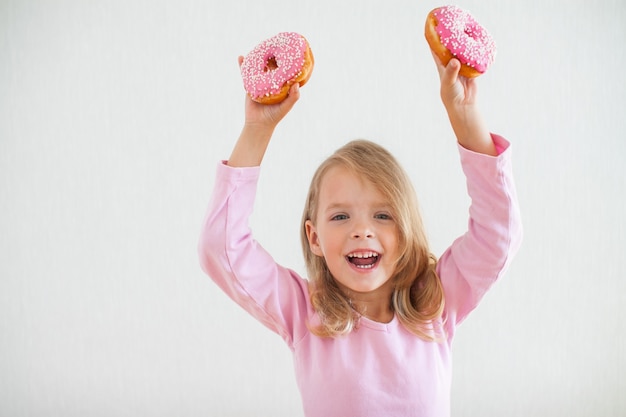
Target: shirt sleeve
[479, 257]
[274, 295]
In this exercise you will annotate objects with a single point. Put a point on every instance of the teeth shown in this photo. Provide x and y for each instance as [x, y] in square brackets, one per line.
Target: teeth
[362, 255]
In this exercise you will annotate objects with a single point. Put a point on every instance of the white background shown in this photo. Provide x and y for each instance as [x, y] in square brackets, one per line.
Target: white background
[114, 114]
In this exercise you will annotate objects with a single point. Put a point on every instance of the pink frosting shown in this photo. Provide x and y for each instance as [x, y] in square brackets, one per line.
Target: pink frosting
[287, 51]
[465, 38]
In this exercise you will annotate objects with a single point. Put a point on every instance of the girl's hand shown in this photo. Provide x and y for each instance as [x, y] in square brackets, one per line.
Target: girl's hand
[456, 91]
[267, 116]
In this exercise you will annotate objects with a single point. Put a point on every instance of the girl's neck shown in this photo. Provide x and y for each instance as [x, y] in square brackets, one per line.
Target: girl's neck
[374, 305]
[382, 315]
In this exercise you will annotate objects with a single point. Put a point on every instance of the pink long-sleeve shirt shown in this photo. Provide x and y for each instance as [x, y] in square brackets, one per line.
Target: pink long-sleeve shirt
[380, 369]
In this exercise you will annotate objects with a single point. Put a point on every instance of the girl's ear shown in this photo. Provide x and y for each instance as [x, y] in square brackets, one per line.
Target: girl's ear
[313, 237]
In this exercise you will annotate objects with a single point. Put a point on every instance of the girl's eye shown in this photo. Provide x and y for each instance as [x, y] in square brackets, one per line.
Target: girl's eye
[382, 216]
[339, 217]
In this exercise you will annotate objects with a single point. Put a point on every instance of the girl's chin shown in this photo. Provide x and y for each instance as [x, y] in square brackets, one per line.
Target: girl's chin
[361, 287]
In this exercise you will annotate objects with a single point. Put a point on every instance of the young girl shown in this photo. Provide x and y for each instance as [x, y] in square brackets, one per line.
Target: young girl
[371, 329]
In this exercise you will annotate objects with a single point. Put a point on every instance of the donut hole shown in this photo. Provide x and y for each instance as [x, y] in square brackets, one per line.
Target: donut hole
[270, 64]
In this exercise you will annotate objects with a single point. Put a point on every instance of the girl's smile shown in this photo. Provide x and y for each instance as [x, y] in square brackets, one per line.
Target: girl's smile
[363, 259]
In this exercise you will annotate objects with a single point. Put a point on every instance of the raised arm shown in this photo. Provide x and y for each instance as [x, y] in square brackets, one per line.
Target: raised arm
[228, 253]
[480, 256]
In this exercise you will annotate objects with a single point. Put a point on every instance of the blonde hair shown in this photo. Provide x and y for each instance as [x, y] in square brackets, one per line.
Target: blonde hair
[417, 298]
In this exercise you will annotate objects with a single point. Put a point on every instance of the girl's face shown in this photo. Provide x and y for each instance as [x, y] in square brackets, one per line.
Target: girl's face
[354, 232]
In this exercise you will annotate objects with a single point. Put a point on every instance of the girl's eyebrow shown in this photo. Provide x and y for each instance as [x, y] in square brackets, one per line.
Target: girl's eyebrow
[336, 206]
[382, 205]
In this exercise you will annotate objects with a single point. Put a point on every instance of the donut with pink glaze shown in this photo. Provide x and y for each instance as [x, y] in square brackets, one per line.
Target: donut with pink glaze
[452, 32]
[274, 65]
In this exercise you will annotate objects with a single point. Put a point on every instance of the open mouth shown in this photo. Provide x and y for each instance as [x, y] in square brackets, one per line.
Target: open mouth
[363, 260]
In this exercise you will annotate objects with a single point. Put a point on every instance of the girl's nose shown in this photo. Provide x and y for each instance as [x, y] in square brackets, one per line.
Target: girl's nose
[362, 230]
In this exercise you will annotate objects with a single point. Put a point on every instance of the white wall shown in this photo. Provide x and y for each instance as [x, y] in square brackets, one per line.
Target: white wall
[114, 114]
